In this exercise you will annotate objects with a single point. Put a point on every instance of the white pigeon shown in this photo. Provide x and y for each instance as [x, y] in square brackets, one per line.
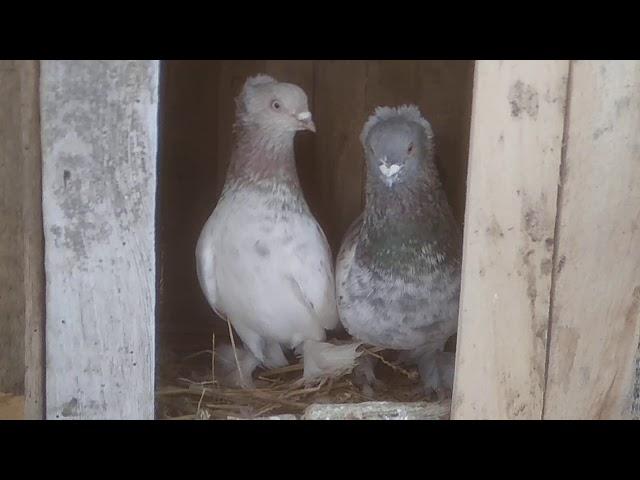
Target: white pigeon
[263, 261]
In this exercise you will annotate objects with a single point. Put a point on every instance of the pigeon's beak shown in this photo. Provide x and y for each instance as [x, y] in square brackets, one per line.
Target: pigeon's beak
[389, 171]
[306, 122]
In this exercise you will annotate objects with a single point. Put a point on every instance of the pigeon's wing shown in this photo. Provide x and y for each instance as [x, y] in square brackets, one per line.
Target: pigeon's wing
[311, 276]
[205, 262]
[347, 251]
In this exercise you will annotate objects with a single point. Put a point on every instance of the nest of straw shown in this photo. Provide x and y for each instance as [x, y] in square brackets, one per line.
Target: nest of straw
[190, 390]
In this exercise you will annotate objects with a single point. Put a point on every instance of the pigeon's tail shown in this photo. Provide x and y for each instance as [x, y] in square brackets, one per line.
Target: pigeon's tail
[326, 360]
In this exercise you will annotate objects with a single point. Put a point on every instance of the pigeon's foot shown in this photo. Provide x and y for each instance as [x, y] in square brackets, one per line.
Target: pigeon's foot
[274, 357]
[436, 372]
[364, 375]
[325, 360]
[235, 367]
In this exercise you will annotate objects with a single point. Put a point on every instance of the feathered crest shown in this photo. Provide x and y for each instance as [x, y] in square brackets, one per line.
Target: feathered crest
[244, 95]
[260, 79]
[410, 113]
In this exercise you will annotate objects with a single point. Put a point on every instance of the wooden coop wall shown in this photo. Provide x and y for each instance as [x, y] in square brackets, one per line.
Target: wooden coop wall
[550, 303]
[21, 237]
[549, 321]
[197, 113]
[99, 143]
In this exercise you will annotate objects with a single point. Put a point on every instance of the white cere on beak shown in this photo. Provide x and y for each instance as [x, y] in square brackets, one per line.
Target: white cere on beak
[304, 116]
[389, 171]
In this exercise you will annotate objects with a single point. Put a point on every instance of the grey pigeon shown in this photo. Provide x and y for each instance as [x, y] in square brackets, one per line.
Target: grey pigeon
[398, 269]
[263, 261]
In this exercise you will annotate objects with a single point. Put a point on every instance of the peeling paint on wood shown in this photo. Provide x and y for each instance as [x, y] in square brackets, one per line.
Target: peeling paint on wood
[99, 134]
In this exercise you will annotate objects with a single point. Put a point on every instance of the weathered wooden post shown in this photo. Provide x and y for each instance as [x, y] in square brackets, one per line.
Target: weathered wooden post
[595, 314]
[99, 135]
[550, 304]
[21, 238]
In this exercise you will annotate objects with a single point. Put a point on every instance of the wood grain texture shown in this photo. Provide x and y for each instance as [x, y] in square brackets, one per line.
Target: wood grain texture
[444, 97]
[514, 159]
[596, 303]
[33, 235]
[12, 294]
[339, 113]
[99, 134]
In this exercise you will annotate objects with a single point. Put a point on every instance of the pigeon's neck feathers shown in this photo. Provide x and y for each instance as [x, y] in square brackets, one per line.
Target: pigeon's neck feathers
[405, 227]
[414, 211]
[398, 204]
[262, 152]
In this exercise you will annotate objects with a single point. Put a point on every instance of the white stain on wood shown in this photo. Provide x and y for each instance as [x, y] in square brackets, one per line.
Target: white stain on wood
[595, 323]
[514, 158]
[99, 134]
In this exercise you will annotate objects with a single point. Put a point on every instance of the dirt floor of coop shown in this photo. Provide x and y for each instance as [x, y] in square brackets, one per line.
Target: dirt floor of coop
[186, 389]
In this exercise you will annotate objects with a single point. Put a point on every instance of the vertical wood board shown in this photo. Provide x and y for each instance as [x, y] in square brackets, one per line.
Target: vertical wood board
[514, 159]
[595, 324]
[99, 134]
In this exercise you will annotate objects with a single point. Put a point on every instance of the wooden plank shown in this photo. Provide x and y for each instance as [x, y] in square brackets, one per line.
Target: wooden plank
[391, 83]
[339, 99]
[595, 324]
[29, 72]
[99, 121]
[515, 148]
[12, 295]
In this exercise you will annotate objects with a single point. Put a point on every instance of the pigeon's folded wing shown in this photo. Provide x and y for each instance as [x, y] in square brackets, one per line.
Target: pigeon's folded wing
[311, 279]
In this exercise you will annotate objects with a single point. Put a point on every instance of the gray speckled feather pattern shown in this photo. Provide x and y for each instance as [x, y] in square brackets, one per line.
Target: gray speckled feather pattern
[398, 269]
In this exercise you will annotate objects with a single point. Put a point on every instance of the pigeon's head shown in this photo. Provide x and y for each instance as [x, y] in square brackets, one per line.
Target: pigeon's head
[265, 102]
[397, 143]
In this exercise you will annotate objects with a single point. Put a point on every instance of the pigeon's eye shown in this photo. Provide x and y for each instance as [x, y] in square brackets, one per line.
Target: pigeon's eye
[410, 149]
[275, 105]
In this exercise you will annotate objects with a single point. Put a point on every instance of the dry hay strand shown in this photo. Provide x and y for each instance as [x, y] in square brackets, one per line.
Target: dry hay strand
[277, 391]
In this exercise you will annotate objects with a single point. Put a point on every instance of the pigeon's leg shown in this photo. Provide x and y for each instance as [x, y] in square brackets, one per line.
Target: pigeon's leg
[364, 375]
[269, 353]
[436, 371]
[273, 355]
[255, 345]
[235, 366]
[445, 363]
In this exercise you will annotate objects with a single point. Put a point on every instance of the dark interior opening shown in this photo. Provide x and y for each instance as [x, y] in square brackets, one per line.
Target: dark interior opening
[196, 116]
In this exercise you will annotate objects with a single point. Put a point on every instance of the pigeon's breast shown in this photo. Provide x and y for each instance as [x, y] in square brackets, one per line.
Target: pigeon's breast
[399, 312]
[268, 247]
